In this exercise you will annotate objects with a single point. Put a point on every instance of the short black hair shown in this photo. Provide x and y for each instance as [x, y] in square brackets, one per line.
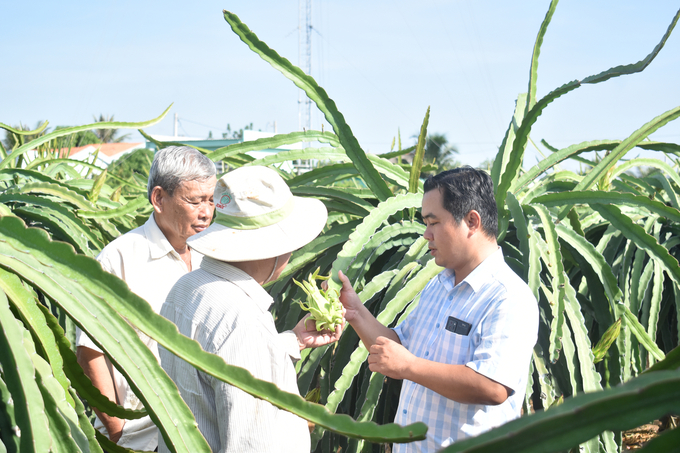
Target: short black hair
[464, 189]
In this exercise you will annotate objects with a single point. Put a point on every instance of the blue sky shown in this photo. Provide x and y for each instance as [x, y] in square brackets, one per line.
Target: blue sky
[383, 63]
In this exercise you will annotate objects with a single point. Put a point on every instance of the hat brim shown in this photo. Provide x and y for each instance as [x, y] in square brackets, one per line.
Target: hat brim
[222, 243]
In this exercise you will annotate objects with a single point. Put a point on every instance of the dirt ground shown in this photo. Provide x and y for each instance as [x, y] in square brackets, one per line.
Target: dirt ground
[634, 439]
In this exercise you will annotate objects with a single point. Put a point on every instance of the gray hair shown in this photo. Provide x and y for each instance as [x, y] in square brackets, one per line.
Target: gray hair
[175, 164]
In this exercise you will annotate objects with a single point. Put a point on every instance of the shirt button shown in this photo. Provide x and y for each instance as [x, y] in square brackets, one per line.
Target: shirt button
[437, 324]
[450, 297]
[404, 411]
[427, 353]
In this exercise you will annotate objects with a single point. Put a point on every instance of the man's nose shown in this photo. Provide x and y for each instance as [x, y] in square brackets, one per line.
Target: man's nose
[207, 210]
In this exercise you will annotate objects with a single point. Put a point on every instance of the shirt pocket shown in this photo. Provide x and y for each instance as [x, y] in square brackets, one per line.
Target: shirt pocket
[187, 379]
[453, 348]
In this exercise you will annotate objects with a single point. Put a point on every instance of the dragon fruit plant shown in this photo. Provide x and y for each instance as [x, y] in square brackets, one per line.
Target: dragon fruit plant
[324, 306]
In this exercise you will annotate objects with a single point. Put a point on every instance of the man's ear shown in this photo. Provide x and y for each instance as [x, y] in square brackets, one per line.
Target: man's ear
[157, 198]
[473, 221]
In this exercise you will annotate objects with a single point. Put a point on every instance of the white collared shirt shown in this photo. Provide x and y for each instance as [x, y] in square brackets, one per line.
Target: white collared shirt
[226, 312]
[150, 266]
[488, 322]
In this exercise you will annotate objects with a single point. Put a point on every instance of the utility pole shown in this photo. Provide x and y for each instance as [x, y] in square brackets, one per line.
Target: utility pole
[305, 60]
[305, 63]
[176, 121]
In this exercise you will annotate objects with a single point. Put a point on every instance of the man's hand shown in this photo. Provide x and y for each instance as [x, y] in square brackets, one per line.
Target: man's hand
[309, 337]
[349, 299]
[390, 358]
[363, 322]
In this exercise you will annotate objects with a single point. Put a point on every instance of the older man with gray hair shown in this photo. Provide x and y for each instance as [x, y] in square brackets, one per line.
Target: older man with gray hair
[150, 259]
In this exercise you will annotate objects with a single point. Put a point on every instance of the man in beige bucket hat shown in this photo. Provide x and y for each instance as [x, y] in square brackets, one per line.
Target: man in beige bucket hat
[224, 308]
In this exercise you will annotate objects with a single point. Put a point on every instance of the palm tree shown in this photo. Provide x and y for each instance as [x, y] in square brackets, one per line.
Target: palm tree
[438, 151]
[108, 135]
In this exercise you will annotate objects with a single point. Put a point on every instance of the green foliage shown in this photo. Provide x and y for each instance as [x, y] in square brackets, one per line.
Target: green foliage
[598, 249]
[108, 135]
[582, 417]
[18, 135]
[82, 138]
[417, 164]
[133, 168]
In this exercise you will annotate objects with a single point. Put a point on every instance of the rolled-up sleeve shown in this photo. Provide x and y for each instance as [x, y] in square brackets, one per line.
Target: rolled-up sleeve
[506, 338]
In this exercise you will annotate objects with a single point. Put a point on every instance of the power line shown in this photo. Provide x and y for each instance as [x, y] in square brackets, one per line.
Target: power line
[201, 124]
[186, 134]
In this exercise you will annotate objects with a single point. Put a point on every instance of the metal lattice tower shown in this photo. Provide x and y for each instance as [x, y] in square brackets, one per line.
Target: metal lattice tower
[305, 60]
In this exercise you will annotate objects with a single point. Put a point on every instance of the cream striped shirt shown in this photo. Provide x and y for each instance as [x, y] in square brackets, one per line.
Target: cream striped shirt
[225, 311]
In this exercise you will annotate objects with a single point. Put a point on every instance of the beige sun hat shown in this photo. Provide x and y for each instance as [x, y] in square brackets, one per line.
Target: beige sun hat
[257, 217]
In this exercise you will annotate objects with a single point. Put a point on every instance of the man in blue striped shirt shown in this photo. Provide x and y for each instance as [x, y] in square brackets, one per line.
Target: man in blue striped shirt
[464, 351]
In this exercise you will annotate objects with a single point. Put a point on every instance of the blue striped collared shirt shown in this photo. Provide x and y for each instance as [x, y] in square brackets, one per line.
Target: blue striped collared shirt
[501, 314]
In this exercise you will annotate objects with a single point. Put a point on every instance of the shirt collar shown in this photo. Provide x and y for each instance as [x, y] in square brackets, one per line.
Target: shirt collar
[239, 278]
[159, 246]
[478, 276]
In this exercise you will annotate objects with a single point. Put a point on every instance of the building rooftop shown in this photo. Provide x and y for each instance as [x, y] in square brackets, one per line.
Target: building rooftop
[107, 149]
